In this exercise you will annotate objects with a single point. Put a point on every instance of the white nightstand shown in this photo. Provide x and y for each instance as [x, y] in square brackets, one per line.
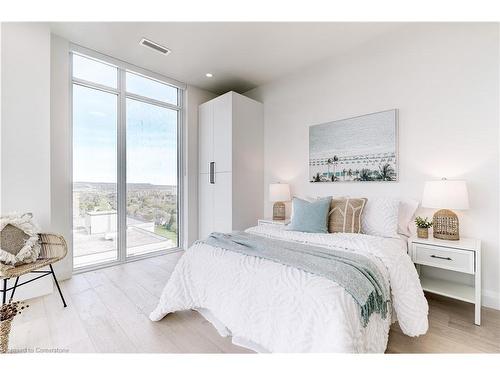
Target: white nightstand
[459, 256]
[279, 223]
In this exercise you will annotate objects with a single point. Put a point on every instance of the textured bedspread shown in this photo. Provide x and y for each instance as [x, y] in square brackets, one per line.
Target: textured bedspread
[355, 272]
[284, 309]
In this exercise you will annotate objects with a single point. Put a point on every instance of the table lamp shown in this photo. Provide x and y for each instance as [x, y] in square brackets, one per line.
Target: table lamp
[446, 194]
[279, 193]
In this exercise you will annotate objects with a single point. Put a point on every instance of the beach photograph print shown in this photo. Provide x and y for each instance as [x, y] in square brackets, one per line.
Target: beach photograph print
[362, 148]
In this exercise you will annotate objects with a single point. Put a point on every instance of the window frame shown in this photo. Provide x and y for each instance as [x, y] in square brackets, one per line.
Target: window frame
[122, 96]
[150, 100]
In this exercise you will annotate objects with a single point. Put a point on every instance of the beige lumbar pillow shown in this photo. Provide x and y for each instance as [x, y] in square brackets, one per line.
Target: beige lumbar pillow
[345, 215]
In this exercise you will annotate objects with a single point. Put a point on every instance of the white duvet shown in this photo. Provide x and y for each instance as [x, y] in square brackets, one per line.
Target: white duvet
[272, 307]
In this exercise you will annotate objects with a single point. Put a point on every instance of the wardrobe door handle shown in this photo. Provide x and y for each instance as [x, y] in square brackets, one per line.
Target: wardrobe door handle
[438, 257]
[212, 172]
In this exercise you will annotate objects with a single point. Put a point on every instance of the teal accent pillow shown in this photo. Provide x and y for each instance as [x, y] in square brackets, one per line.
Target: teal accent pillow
[311, 217]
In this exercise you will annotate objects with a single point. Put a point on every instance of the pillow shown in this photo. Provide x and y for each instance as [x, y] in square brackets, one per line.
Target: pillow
[407, 209]
[310, 217]
[380, 217]
[345, 215]
[13, 239]
[309, 198]
[304, 198]
[18, 240]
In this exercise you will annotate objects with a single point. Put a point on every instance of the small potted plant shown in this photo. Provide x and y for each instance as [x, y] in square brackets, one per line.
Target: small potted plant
[423, 226]
[8, 312]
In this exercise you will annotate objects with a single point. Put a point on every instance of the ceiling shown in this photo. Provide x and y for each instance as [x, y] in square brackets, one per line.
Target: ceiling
[241, 56]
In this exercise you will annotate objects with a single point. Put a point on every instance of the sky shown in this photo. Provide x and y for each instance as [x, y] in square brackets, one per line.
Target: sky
[151, 130]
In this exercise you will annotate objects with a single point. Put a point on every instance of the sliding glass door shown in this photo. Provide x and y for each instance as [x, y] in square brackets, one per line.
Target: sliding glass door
[125, 163]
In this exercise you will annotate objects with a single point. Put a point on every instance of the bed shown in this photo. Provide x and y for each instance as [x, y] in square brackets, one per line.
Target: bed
[270, 307]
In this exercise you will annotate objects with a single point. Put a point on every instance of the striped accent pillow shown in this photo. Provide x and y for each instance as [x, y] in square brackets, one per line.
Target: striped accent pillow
[345, 215]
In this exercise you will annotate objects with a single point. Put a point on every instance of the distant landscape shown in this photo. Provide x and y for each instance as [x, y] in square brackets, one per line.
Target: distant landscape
[145, 202]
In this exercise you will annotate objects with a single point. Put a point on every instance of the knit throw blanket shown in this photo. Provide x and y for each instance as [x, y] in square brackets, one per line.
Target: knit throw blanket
[356, 273]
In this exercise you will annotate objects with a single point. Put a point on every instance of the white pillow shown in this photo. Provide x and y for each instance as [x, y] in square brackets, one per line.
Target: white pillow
[380, 217]
[407, 209]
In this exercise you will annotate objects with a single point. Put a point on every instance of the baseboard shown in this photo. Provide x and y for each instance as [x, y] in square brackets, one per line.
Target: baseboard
[490, 299]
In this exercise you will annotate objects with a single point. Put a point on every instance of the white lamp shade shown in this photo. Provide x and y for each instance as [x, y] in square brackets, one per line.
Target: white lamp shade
[279, 192]
[446, 194]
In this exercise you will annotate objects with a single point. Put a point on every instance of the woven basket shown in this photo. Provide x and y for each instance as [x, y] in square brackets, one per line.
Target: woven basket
[4, 335]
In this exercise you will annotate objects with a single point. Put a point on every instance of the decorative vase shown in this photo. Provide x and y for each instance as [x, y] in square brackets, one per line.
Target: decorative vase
[4, 334]
[423, 232]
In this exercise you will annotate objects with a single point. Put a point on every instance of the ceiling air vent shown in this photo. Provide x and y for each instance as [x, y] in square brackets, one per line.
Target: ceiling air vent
[155, 46]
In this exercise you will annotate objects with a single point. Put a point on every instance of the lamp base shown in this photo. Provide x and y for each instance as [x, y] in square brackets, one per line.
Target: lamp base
[445, 225]
[279, 211]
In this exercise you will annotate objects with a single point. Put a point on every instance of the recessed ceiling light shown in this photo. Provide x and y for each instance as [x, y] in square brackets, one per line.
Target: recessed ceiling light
[154, 46]
[209, 75]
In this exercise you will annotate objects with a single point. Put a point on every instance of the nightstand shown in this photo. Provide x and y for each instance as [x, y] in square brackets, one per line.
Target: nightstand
[271, 222]
[462, 256]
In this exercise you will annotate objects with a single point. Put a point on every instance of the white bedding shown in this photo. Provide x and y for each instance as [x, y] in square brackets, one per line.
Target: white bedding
[283, 309]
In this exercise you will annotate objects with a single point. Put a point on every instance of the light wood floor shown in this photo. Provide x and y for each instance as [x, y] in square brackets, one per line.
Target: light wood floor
[108, 312]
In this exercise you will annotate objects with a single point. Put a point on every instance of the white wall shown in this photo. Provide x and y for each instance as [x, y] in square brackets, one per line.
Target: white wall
[444, 80]
[61, 143]
[25, 140]
[194, 97]
[26, 120]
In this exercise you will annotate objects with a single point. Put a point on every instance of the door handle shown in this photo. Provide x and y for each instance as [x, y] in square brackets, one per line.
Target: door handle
[212, 172]
[438, 257]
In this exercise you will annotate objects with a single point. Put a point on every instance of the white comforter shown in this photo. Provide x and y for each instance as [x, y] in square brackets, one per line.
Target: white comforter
[278, 308]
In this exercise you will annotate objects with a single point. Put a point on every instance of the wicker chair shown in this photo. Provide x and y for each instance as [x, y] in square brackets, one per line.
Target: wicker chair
[53, 249]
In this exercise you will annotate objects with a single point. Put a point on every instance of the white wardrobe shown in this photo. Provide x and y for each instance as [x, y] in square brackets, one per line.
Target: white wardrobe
[231, 164]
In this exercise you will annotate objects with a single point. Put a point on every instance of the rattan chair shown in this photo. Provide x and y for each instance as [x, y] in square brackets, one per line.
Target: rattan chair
[53, 249]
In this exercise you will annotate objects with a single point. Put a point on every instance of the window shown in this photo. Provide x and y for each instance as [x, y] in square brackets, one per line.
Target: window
[95, 149]
[86, 69]
[151, 176]
[151, 89]
[125, 168]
